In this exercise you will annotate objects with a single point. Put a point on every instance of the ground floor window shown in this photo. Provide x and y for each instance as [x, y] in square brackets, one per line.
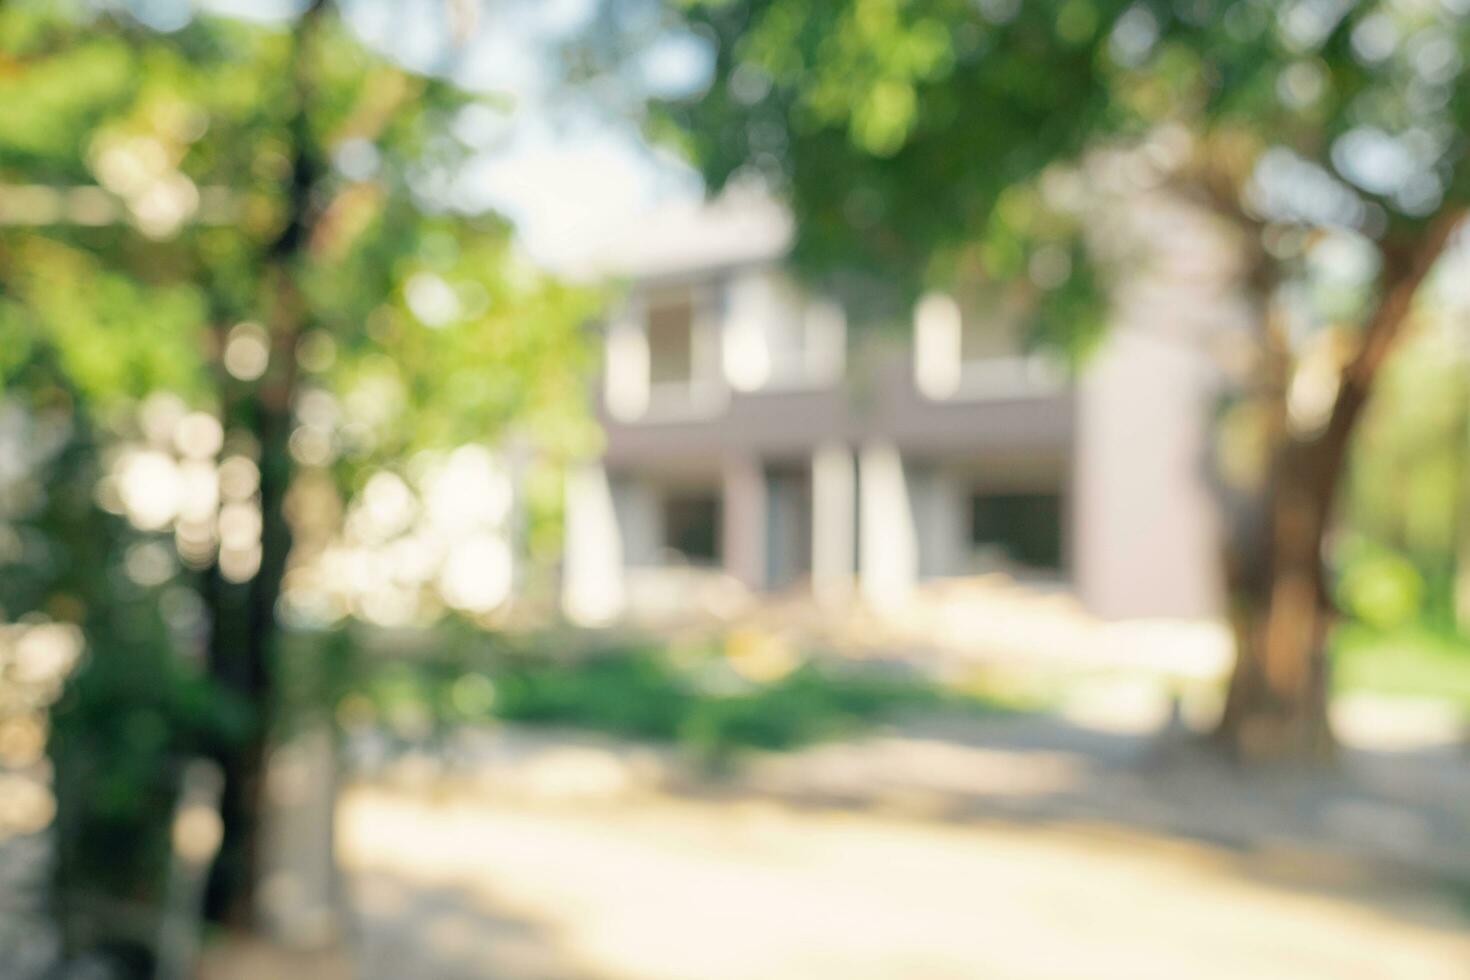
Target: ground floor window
[691, 526]
[1023, 529]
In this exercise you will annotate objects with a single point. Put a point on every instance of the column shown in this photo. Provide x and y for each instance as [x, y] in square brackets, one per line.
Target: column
[888, 559]
[834, 522]
[744, 518]
[592, 568]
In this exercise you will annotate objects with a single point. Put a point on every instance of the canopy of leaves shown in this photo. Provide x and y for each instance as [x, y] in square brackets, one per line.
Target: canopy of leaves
[927, 141]
[169, 200]
[145, 178]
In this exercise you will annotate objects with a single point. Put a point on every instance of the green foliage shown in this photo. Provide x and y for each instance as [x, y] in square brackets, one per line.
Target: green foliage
[807, 705]
[1407, 488]
[624, 692]
[693, 698]
[932, 143]
[1382, 589]
[53, 96]
[912, 138]
[132, 716]
[134, 710]
[162, 194]
[1413, 661]
[118, 339]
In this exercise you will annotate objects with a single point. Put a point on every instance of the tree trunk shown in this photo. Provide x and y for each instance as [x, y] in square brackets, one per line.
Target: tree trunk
[1276, 704]
[243, 649]
[246, 633]
[1459, 577]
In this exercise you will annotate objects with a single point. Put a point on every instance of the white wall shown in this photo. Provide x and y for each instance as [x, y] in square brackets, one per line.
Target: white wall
[1145, 528]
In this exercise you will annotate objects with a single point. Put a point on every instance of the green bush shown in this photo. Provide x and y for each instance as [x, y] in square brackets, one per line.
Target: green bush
[129, 719]
[1380, 587]
[696, 699]
[1411, 660]
[631, 693]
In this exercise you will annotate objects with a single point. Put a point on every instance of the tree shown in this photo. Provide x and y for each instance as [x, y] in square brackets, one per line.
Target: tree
[204, 232]
[924, 141]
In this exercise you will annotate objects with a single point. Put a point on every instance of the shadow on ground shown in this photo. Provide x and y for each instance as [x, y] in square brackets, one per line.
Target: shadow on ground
[1404, 810]
[403, 927]
[940, 847]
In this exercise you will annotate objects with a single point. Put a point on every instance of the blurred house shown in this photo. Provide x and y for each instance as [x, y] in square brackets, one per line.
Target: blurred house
[755, 442]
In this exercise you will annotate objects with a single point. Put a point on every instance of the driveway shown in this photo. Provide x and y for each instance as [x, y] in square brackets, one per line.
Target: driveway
[457, 882]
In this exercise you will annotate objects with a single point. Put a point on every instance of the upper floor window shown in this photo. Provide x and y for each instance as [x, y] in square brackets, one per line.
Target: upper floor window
[778, 336]
[663, 355]
[975, 350]
[671, 338]
[988, 332]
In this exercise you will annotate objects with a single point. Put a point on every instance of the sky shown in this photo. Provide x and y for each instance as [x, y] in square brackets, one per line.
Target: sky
[568, 166]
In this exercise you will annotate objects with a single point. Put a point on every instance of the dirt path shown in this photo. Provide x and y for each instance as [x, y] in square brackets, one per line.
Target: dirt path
[653, 888]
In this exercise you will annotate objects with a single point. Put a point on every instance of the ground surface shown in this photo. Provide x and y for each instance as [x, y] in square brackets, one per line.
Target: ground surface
[1009, 849]
[704, 890]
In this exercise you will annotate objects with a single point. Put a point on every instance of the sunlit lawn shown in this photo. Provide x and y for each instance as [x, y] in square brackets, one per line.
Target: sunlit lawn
[711, 699]
[717, 698]
[1409, 661]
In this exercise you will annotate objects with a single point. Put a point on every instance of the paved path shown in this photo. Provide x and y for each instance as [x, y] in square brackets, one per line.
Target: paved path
[652, 887]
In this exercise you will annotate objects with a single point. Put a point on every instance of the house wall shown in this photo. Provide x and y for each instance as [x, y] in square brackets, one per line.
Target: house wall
[892, 455]
[1146, 539]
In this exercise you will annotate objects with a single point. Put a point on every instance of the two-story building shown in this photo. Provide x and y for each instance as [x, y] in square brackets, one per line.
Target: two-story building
[752, 436]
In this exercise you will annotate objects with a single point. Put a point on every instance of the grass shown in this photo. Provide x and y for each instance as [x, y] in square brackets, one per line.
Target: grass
[1413, 661]
[696, 699]
[700, 699]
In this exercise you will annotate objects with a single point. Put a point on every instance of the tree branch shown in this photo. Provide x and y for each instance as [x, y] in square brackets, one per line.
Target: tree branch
[1405, 271]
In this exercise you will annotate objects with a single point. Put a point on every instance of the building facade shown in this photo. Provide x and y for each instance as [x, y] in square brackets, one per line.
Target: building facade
[751, 437]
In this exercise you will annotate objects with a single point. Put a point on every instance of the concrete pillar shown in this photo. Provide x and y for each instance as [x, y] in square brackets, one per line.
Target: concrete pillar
[888, 559]
[834, 522]
[592, 569]
[744, 518]
[625, 365]
[1146, 535]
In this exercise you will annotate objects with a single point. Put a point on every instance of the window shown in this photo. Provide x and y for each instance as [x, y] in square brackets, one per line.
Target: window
[988, 335]
[1022, 529]
[990, 327]
[671, 340]
[975, 350]
[788, 525]
[692, 527]
[806, 337]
